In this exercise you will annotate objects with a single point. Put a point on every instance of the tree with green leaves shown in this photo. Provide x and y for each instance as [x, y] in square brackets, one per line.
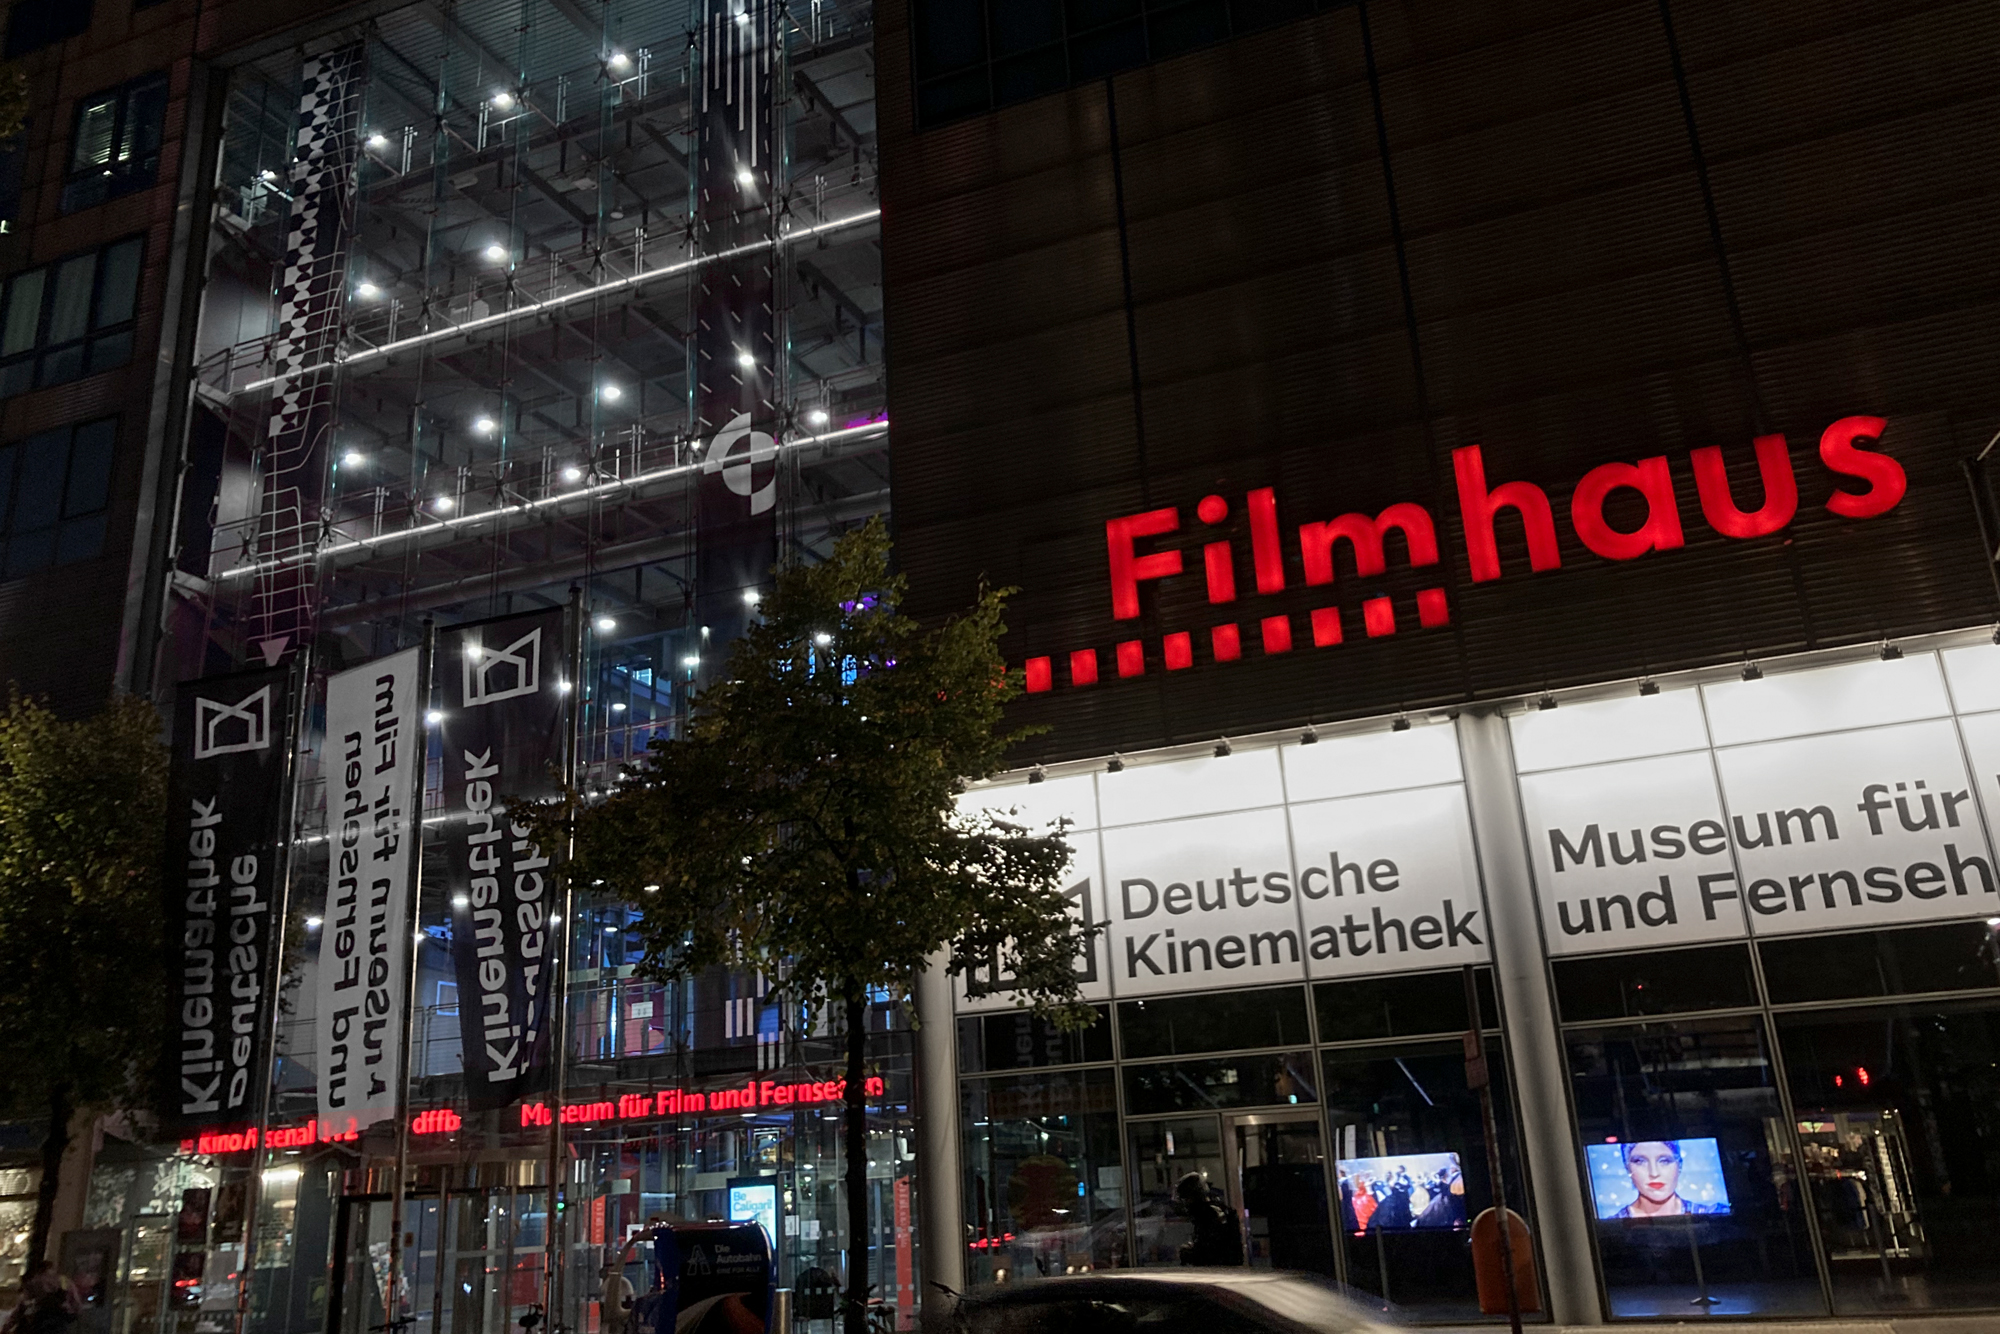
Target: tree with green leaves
[808, 824]
[82, 810]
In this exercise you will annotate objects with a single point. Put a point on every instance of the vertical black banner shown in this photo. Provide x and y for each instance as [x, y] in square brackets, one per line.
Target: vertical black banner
[226, 817]
[736, 348]
[504, 691]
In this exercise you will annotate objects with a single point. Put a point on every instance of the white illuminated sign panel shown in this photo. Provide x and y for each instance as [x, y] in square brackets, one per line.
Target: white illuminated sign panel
[1831, 799]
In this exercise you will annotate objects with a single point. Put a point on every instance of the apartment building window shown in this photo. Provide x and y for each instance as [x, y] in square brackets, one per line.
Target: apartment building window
[69, 319]
[54, 489]
[116, 145]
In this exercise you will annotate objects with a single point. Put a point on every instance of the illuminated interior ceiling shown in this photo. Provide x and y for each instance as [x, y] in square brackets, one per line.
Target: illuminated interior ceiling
[512, 403]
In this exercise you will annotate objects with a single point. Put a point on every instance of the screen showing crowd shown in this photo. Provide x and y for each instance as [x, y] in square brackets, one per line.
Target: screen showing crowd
[1413, 1190]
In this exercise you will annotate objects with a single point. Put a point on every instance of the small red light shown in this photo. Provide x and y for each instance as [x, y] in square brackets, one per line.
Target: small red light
[1861, 1073]
[1839, 1081]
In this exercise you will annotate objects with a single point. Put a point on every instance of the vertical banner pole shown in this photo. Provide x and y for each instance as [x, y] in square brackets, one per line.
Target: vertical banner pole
[414, 837]
[274, 974]
[559, 982]
[1481, 1078]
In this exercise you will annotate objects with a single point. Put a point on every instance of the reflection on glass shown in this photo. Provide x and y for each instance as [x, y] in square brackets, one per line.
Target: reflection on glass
[1899, 1125]
[1412, 1171]
[1044, 1190]
[1697, 1195]
[1162, 1153]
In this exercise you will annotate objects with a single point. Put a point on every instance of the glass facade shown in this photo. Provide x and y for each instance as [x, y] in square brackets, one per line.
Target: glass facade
[1766, 912]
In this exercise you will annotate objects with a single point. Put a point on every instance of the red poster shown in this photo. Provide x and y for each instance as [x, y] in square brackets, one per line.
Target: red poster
[906, 1288]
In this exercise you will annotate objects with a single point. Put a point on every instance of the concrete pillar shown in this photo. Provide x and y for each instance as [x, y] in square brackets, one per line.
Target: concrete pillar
[940, 1205]
[1534, 1046]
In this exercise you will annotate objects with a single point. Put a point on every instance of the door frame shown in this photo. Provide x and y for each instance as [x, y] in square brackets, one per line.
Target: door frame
[1233, 1169]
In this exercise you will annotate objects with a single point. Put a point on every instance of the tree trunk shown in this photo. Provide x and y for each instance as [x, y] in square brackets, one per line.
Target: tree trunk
[54, 1145]
[855, 1307]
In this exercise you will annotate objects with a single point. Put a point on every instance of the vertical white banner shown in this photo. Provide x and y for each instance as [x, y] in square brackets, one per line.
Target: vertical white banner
[373, 718]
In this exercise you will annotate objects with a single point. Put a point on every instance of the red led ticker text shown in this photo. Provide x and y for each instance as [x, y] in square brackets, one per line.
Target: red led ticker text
[756, 1095]
[1873, 483]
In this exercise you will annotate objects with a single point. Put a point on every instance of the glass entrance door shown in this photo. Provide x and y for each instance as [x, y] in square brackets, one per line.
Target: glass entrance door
[485, 1245]
[1277, 1182]
[1162, 1153]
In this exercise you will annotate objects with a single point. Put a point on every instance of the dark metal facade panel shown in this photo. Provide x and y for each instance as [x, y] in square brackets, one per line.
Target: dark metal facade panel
[1571, 308]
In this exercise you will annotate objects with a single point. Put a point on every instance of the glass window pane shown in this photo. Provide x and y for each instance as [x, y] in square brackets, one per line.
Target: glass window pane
[1270, 1080]
[950, 35]
[44, 461]
[1690, 1171]
[89, 468]
[6, 485]
[1044, 1186]
[1162, 1153]
[17, 378]
[1409, 1145]
[96, 123]
[30, 551]
[1899, 1124]
[110, 350]
[1955, 956]
[24, 312]
[1107, 50]
[1625, 986]
[62, 366]
[80, 539]
[960, 95]
[69, 314]
[1401, 1005]
[119, 289]
[1017, 1040]
[1170, 1025]
[1023, 25]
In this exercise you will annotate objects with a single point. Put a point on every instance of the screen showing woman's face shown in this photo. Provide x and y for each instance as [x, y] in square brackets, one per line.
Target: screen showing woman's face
[1655, 1169]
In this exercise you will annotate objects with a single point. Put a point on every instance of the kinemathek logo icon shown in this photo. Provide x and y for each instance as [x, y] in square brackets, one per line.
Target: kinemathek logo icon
[736, 453]
[493, 674]
[221, 728]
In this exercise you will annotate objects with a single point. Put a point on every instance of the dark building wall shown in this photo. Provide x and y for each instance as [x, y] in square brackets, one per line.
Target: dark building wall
[72, 632]
[1569, 305]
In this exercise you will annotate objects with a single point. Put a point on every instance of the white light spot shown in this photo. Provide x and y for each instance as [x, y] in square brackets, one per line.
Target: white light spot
[612, 393]
[745, 177]
[605, 625]
[367, 290]
[353, 458]
[496, 252]
[436, 716]
[503, 100]
[817, 417]
[572, 473]
[378, 140]
[751, 597]
[443, 504]
[691, 660]
[312, 923]
[822, 639]
[745, 360]
[619, 60]
[618, 708]
[485, 426]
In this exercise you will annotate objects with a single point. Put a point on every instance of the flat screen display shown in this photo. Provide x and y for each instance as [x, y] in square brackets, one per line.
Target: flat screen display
[755, 1202]
[1401, 1192]
[1656, 1178]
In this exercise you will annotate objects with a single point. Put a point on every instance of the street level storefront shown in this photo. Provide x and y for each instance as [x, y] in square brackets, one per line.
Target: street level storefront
[763, 1146]
[1752, 914]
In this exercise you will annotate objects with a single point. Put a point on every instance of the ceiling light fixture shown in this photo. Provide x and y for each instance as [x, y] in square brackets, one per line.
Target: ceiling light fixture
[572, 473]
[612, 393]
[443, 504]
[817, 417]
[1649, 687]
[503, 100]
[485, 425]
[367, 290]
[751, 597]
[1547, 701]
[1752, 672]
[1401, 723]
[1114, 765]
[745, 360]
[605, 625]
[378, 140]
[1309, 737]
[434, 717]
[1222, 749]
[353, 458]
[691, 660]
[619, 60]
[496, 252]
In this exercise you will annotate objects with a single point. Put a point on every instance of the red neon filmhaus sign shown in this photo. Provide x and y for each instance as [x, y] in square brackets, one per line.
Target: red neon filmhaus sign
[1841, 452]
[756, 1095]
